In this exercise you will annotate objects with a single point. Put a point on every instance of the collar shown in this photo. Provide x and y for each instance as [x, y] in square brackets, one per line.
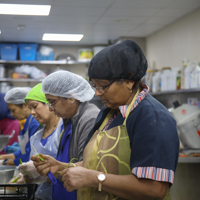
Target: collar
[138, 99]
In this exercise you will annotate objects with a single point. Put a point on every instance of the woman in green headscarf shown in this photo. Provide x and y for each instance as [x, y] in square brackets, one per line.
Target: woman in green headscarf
[45, 140]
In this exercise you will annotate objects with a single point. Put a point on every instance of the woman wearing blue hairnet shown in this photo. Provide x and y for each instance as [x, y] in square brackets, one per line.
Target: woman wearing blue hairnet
[132, 150]
[68, 95]
[15, 101]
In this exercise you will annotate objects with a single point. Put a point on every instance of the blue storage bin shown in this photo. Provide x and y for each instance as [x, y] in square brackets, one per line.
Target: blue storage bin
[8, 51]
[39, 56]
[27, 51]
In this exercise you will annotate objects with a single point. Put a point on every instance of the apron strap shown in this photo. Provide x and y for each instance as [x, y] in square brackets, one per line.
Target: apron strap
[130, 106]
[111, 112]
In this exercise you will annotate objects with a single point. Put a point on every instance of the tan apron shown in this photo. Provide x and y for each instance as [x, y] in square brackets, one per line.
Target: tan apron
[109, 152]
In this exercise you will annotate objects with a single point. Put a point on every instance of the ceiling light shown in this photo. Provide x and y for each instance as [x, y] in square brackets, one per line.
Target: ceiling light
[24, 9]
[62, 37]
[0, 31]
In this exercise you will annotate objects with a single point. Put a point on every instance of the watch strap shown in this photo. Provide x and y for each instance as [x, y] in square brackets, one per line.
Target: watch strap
[5, 162]
[100, 181]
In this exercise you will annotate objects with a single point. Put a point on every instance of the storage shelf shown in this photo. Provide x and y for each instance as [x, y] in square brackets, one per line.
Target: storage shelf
[189, 160]
[20, 80]
[176, 91]
[45, 62]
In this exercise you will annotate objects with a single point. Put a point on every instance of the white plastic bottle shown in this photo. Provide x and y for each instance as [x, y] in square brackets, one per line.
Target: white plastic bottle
[185, 63]
[194, 79]
[156, 82]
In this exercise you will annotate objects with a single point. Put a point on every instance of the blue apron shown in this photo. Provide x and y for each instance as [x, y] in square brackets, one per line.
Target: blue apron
[58, 191]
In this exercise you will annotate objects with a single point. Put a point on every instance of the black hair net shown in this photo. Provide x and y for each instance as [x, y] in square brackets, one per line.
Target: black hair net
[124, 60]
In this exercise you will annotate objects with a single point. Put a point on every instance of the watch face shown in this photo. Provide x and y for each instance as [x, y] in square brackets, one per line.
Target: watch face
[101, 177]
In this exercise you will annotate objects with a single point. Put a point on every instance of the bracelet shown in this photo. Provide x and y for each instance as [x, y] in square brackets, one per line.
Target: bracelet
[73, 164]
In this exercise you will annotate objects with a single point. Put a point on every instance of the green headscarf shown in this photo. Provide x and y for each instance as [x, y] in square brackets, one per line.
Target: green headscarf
[36, 94]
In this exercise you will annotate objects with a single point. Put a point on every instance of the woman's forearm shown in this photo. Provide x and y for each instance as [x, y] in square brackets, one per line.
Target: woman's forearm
[7, 156]
[130, 187]
[10, 162]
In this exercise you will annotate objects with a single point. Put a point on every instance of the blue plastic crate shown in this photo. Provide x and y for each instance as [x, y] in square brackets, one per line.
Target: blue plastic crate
[27, 51]
[39, 56]
[8, 51]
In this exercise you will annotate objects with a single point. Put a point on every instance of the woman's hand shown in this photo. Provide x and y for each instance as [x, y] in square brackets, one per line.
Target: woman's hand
[43, 167]
[19, 179]
[79, 177]
[2, 157]
[28, 169]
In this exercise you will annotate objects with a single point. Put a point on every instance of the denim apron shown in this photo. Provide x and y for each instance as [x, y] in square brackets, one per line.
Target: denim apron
[58, 191]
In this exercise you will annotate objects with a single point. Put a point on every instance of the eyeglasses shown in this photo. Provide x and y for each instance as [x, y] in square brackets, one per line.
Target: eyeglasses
[100, 89]
[51, 104]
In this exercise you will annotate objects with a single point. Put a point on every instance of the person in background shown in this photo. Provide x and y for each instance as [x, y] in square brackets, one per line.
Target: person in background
[45, 140]
[132, 150]
[7, 122]
[15, 101]
[68, 95]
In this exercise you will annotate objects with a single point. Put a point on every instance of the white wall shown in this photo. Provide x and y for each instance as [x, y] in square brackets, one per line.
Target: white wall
[179, 40]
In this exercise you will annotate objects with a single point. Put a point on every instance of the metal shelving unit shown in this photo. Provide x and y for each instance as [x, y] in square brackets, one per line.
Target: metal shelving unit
[189, 160]
[44, 62]
[20, 80]
[176, 91]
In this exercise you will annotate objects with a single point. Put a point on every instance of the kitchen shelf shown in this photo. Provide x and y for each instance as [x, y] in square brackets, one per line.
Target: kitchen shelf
[20, 80]
[44, 62]
[176, 91]
[189, 160]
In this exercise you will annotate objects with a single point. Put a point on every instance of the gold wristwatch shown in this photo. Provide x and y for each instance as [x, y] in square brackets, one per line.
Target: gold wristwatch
[101, 178]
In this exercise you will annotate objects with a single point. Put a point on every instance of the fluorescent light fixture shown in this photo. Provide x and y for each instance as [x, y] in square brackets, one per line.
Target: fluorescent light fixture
[62, 37]
[24, 9]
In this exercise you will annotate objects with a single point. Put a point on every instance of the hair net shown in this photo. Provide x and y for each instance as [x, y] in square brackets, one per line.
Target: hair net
[16, 95]
[69, 85]
[36, 94]
[119, 61]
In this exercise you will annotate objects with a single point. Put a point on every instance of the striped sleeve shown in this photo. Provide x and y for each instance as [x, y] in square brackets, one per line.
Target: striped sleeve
[156, 174]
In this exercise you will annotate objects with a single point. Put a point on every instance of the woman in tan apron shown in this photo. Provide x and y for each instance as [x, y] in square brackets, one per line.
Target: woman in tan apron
[132, 150]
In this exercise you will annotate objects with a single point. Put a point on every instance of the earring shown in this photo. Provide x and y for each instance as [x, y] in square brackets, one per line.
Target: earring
[72, 102]
[131, 91]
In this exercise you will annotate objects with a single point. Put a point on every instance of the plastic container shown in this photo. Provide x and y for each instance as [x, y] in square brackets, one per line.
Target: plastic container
[39, 56]
[156, 82]
[8, 51]
[27, 51]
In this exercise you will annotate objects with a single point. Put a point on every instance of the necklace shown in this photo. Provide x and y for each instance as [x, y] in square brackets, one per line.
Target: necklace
[50, 130]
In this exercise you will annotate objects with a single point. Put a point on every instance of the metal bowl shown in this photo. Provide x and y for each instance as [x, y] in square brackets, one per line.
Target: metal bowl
[3, 141]
[6, 173]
